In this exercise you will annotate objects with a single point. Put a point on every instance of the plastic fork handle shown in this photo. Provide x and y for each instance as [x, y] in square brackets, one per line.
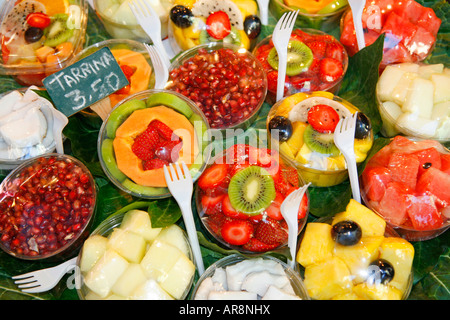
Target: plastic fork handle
[164, 56]
[353, 176]
[192, 235]
[357, 10]
[282, 61]
[263, 11]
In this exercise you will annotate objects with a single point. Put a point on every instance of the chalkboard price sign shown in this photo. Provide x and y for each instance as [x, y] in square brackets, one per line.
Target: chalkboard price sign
[85, 82]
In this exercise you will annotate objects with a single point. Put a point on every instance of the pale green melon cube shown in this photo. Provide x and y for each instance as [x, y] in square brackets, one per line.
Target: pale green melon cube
[150, 290]
[93, 248]
[179, 277]
[128, 244]
[159, 260]
[139, 222]
[175, 236]
[129, 280]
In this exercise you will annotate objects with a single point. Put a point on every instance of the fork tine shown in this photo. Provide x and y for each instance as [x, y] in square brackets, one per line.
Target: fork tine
[167, 174]
[186, 170]
[25, 280]
[179, 172]
[29, 285]
[173, 173]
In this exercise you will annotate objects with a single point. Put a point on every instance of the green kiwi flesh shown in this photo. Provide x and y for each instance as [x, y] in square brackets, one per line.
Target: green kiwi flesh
[299, 58]
[233, 38]
[320, 142]
[251, 190]
[57, 32]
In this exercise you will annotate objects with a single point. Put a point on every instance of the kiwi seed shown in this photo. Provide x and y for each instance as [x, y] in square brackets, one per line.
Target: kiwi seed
[299, 58]
[320, 142]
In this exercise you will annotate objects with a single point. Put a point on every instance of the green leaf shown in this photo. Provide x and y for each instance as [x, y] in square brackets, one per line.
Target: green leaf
[164, 212]
[437, 282]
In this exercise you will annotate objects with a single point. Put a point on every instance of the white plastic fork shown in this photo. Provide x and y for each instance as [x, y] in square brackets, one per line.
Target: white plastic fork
[344, 139]
[149, 21]
[289, 210]
[161, 71]
[181, 187]
[45, 279]
[280, 37]
[264, 11]
[357, 7]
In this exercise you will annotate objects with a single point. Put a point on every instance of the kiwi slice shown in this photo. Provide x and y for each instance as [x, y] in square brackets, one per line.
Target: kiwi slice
[299, 58]
[251, 190]
[233, 38]
[110, 161]
[320, 142]
[171, 100]
[57, 32]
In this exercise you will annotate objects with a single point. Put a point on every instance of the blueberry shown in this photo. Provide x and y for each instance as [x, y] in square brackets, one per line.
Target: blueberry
[181, 16]
[33, 34]
[363, 126]
[346, 233]
[380, 271]
[283, 125]
[252, 26]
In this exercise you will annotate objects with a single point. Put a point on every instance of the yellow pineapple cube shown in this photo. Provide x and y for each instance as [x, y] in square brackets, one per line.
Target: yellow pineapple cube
[377, 292]
[359, 256]
[400, 254]
[295, 142]
[285, 149]
[336, 163]
[371, 224]
[327, 279]
[347, 296]
[317, 244]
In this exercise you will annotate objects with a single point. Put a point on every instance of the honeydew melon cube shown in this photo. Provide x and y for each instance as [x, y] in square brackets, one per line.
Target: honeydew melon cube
[377, 292]
[275, 293]
[446, 71]
[401, 90]
[138, 221]
[179, 277]
[317, 244]
[417, 124]
[419, 99]
[104, 274]
[400, 253]
[425, 71]
[441, 87]
[159, 260]
[388, 81]
[408, 67]
[124, 15]
[150, 290]
[128, 244]
[232, 295]
[175, 236]
[93, 248]
[129, 280]
[371, 224]
[443, 131]
[441, 111]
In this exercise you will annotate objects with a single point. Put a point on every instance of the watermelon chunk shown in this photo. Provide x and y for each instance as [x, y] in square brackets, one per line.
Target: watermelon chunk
[404, 168]
[428, 158]
[410, 10]
[394, 204]
[375, 180]
[421, 43]
[429, 21]
[423, 213]
[400, 28]
[436, 182]
[445, 163]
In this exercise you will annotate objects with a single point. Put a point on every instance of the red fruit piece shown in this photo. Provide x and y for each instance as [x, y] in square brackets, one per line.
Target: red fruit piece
[423, 213]
[214, 176]
[330, 70]
[291, 175]
[303, 207]
[212, 204]
[127, 70]
[271, 232]
[154, 164]
[237, 232]
[404, 168]
[436, 182]
[375, 180]
[335, 51]
[169, 151]
[218, 25]
[273, 211]
[394, 204]
[256, 245]
[144, 145]
[164, 131]
[323, 118]
[445, 162]
[229, 211]
[38, 19]
[400, 28]
[216, 221]
[428, 158]
[318, 48]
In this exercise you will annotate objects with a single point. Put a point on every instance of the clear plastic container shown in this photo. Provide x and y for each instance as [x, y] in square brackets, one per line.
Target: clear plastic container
[44, 43]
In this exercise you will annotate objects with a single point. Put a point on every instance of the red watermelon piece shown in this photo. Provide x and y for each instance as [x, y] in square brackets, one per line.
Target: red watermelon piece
[428, 158]
[404, 169]
[423, 213]
[436, 182]
[421, 43]
[399, 27]
[445, 162]
[375, 180]
[429, 21]
[409, 9]
[394, 204]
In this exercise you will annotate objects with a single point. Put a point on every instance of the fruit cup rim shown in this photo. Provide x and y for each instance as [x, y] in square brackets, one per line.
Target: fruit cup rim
[312, 15]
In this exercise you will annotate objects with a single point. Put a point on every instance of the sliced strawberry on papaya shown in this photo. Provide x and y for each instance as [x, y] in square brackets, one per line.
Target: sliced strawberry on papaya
[144, 145]
[237, 232]
[214, 176]
[154, 164]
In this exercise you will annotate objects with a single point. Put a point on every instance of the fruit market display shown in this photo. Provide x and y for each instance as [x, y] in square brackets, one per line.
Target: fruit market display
[137, 262]
[46, 205]
[196, 22]
[39, 37]
[410, 30]
[352, 258]
[228, 85]
[246, 279]
[406, 182]
[143, 134]
[315, 62]
[239, 198]
[415, 100]
[27, 126]
[302, 126]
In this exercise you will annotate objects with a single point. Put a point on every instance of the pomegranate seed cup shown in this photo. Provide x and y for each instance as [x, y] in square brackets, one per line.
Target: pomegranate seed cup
[226, 82]
[47, 206]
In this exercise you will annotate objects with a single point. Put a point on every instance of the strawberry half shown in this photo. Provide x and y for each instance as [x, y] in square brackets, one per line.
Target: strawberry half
[323, 118]
[271, 232]
[229, 211]
[154, 164]
[144, 144]
[214, 176]
[330, 70]
[218, 25]
[237, 232]
[256, 245]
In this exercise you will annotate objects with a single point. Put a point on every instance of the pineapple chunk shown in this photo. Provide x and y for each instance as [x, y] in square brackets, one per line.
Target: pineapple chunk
[174, 235]
[377, 292]
[400, 254]
[317, 244]
[328, 279]
[371, 224]
[128, 244]
[295, 142]
[336, 163]
[419, 98]
[138, 221]
[347, 296]
[129, 280]
[93, 248]
[101, 278]
[179, 277]
[359, 256]
[150, 290]
[441, 84]
[159, 259]
[285, 149]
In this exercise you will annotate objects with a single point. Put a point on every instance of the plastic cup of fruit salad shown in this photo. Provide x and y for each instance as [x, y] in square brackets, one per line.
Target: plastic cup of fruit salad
[321, 15]
[199, 22]
[414, 100]
[406, 183]
[146, 131]
[238, 198]
[226, 82]
[316, 62]
[236, 277]
[135, 62]
[40, 38]
[354, 255]
[410, 30]
[302, 126]
[125, 258]
[47, 208]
